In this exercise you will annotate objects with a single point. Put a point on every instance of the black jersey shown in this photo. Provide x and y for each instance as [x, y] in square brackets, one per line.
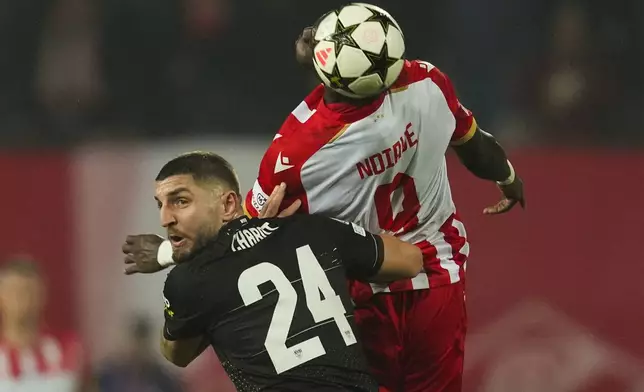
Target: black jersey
[272, 297]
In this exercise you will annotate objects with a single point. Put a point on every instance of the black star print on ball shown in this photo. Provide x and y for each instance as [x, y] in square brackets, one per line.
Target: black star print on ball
[380, 63]
[343, 36]
[338, 81]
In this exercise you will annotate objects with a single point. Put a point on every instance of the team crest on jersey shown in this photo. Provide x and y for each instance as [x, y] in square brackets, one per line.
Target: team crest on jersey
[259, 198]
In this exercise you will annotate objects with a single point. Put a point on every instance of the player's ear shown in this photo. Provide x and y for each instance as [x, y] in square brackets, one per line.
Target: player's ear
[231, 204]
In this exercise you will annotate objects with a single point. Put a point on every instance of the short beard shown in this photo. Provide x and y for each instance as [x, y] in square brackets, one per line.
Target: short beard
[201, 240]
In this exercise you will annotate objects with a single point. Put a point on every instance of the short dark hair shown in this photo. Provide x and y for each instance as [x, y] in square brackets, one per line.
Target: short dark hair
[20, 265]
[203, 166]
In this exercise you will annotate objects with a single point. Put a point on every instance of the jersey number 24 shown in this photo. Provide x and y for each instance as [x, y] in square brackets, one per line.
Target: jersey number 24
[314, 281]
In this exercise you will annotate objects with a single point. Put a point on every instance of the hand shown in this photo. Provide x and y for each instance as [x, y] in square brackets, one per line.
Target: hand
[141, 253]
[304, 47]
[513, 194]
[272, 206]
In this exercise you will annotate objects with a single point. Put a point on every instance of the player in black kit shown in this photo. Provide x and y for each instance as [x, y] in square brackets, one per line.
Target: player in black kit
[269, 295]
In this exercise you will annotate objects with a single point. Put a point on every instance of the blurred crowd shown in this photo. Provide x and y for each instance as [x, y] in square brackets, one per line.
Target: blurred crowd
[35, 357]
[533, 71]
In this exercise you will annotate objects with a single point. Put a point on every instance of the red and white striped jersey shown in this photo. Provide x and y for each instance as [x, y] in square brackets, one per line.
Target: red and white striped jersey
[381, 166]
[53, 365]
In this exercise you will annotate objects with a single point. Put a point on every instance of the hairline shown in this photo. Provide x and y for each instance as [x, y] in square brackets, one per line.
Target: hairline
[21, 268]
[215, 182]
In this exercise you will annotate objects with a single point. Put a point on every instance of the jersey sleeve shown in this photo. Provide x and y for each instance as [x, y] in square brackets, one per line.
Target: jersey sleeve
[281, 163]
[466, 126]
[300, 137]
[185, 311]
[362, 253]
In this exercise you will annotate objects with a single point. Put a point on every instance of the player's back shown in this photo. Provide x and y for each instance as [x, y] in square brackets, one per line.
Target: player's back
[281, 315]
[381, 165]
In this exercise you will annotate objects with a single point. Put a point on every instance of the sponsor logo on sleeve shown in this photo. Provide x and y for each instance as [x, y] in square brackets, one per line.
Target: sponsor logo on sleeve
[259, 198]
[166, 307]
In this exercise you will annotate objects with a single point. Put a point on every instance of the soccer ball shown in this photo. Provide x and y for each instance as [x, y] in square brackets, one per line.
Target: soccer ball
[358, 50]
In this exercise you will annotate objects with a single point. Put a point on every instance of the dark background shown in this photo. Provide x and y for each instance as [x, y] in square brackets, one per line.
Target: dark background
[533, 71]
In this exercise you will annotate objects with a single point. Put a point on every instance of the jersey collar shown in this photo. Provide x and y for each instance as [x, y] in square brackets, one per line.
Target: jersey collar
[349, 113]
[220, 245]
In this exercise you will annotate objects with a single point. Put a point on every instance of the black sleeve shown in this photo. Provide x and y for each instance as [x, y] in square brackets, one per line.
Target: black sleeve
[362, 253]
[186, 314]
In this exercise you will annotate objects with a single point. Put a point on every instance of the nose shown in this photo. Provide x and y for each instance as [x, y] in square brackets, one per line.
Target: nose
[167, 217]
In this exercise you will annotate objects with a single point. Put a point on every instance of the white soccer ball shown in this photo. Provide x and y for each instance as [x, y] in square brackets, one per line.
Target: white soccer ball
[358, 50]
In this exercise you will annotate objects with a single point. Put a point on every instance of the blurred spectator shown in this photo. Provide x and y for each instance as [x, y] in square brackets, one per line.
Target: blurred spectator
[137, 369]
[571, 93]
[21, 25]
[139, 41]
[32, 359]
[150, 68]
[69, 83]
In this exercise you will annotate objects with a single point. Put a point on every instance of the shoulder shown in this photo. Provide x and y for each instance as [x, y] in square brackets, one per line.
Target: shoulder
[304, 132]
[418, 71]
[187, 290]
[413, 71]
[180, 282]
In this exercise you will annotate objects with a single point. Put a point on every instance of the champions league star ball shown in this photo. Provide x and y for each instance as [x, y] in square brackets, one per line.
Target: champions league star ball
[358, 50]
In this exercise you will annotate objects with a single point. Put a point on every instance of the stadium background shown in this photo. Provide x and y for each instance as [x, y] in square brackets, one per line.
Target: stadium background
[96, 95]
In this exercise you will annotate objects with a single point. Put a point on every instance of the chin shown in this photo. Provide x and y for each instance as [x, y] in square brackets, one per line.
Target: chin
[180, 255]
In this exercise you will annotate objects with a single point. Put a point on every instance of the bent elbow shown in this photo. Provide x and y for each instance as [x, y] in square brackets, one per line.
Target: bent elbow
[181, 364]
[173, 356]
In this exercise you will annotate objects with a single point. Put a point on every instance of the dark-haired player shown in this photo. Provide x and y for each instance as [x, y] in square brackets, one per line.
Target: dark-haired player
[269, 295]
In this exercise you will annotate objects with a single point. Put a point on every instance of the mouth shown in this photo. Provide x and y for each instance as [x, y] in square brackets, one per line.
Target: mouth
[176, 240]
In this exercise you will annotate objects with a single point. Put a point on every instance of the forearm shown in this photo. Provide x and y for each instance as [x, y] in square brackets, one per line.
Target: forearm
[484, 157]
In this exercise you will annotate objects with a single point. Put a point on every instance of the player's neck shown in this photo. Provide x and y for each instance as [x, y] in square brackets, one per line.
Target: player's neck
[238, 214]
[331, 97]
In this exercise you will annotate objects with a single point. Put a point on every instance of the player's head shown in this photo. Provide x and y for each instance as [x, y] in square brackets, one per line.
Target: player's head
[22, 292]
[357, 51]
[197, 193]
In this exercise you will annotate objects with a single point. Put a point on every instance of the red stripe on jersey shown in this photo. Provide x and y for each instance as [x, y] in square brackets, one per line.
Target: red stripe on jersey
[50, 355]
[346, 113]
[41, 364]
[298, 142]
[401, 285]
[14, 362]
[411, 73]
[417, 71]
[437, 274]
[312, 101]
[457, 242]
[464, 117]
